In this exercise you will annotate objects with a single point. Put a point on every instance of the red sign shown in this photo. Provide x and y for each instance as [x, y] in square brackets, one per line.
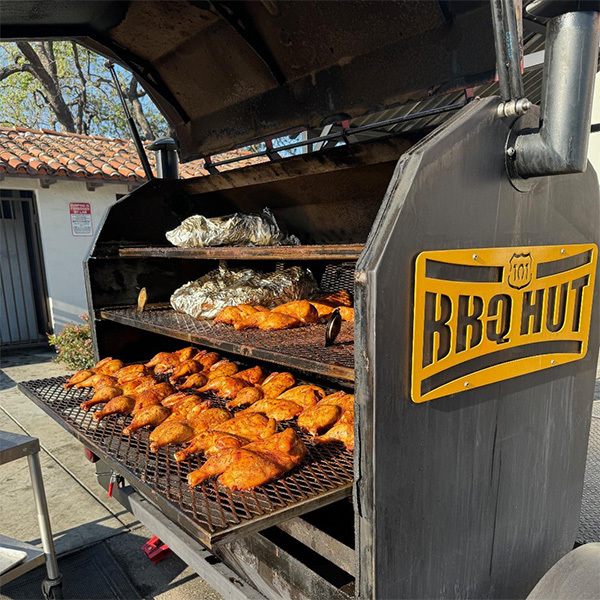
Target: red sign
[81, 218]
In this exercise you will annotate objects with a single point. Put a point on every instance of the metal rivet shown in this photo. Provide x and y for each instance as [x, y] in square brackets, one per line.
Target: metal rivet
[562, 250]
[475, 257]
[511, 151]
[466, 384]
[552, 361]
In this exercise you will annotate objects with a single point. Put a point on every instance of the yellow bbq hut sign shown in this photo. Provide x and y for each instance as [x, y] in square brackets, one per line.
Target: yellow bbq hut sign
[485, 315]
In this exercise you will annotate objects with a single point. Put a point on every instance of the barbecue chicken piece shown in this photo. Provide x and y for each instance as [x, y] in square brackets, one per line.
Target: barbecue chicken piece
[188, 367]
[300, 309]
[131, 372]
[347, 313]
[235, 314]
[187, 406]
[328, 410]
[222, 368]
[120, 405]
[108, 366]
[277, 383]
[233, 433]
[78, 377]
[173, 399]
[229, 315]
[255, 375]
[150, 416]
[342, 431]
[152, 396]
[226, 387]
[170, 432]
[276, 321]
[326, 304]
[207, 360]
[104, 394]
[137, 386]
[304, 395]
[158, 359]
[251, 321]
[205, 420]
[186, 353]
[274, 408]
[97, 381]
[245, 397]
[255, 464]
[197, 380]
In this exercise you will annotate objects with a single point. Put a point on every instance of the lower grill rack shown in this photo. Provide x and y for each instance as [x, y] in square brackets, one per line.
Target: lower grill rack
[210, 512]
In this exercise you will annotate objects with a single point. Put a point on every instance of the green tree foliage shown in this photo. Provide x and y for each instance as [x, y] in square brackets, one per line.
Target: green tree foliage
[66, 87]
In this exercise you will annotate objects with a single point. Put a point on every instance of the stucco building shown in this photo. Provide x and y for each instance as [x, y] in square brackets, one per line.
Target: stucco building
[54, 190]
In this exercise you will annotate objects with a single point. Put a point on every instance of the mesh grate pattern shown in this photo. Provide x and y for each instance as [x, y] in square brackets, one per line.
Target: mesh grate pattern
[301, 348]
[214, 511]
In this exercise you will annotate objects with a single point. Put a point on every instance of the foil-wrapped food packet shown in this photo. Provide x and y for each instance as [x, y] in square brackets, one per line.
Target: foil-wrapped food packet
[207, 296]
[238, 229]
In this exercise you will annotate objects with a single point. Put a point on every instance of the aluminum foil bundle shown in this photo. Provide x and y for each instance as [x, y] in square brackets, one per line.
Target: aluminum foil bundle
[207, 296]
[232, 230]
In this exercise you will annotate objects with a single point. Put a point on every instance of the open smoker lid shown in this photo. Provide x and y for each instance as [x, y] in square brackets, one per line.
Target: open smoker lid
[229, 73]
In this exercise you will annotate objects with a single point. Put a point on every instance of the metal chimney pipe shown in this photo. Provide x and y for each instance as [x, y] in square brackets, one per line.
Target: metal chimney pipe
[561, 143]
[167, 160]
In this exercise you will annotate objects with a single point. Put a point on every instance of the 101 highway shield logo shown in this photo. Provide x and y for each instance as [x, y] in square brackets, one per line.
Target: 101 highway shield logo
[488, 314]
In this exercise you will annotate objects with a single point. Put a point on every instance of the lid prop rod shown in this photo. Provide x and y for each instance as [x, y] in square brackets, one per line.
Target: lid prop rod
[134, 132]
[506, 19]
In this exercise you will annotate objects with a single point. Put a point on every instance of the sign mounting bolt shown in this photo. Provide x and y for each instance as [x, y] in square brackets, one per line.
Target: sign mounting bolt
[562, 250]
[552, 361]
[466, 384]
[511, 151]
[475, 257]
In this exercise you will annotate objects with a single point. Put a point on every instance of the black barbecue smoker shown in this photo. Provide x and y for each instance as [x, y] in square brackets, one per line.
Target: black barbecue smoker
[441, 178]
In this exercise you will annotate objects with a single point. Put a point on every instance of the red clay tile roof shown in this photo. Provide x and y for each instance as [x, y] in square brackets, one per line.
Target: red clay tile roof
[47, 153]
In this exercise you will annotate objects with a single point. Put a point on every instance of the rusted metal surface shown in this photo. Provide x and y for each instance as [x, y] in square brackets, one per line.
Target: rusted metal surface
[325, 252]
[209, 512]
[302, 348]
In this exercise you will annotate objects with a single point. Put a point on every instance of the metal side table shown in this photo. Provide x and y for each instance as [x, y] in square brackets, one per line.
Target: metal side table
[13, 447]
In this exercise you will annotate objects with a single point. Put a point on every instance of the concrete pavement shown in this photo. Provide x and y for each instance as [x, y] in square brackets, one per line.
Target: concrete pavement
[81, 513]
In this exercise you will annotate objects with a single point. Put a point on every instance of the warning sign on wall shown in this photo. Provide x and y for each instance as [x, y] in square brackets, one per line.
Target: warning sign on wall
[81, 218]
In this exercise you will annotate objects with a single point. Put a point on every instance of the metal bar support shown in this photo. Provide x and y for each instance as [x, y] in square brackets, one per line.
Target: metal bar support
[39, 494]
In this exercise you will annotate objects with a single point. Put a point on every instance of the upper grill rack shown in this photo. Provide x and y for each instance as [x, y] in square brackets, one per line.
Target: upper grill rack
[209, 512]
[301, 348]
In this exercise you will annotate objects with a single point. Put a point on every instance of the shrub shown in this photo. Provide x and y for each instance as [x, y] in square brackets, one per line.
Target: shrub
[74, 345]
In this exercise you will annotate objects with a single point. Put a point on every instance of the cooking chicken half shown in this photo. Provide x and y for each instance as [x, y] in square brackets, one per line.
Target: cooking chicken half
[276, 321]
[197, 380]
[150, 416]
[170, 432]
[222, 368]
[328, 410]
[232, 433]
[255, 464]
[274, 408]
[342, 431]
[246, 397]
[152, 396]
[187, 367]
[225, 387]
[277, 383]
[300, 309]
[97, 380]
[304, 395]
[120, 405]
[131, 372]
[255, 375]
[104, 394]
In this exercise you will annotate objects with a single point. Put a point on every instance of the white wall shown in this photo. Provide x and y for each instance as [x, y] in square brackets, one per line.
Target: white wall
[63, 252]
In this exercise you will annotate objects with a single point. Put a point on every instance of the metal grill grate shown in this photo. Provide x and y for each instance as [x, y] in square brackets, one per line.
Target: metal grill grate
[301, 348]
[210, 512]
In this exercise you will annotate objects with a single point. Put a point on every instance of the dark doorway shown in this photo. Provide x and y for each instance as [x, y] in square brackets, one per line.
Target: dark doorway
[24, 315]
